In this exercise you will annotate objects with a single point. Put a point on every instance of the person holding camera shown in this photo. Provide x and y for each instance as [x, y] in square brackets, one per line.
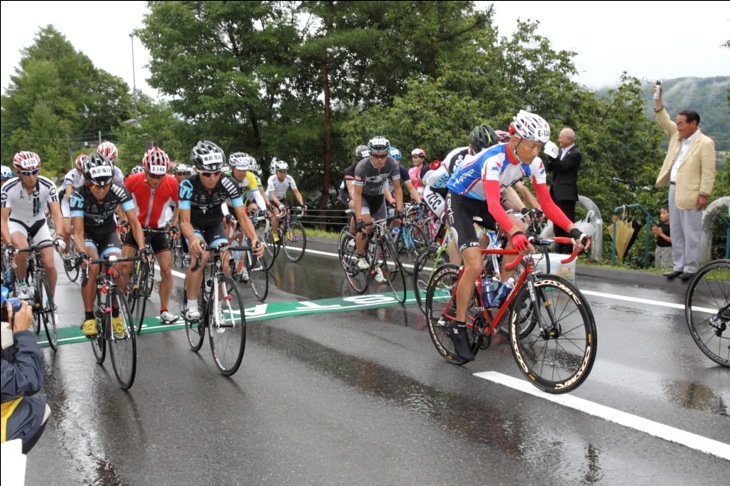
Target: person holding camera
[24, 410]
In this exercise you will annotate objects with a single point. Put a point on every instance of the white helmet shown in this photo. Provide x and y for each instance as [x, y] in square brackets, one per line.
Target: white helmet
[277, 164]
[530, 126]
[241, 161]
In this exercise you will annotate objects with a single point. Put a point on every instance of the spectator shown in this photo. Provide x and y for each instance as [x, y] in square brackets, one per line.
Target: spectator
[24, 411]
[564, 179]
[689, 170]
[663, 239]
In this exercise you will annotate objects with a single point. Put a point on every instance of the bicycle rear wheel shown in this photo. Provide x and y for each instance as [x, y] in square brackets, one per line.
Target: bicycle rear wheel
[424, 267]
[45, 309]
[194, 330]
[555, 353]
[357, 278]
[98, 344]
[393, 271]
[294, 241]
[441, 311]
[707, 309]
[139, 292]
[227, 327]
[123, 349]
[272, 249]
[258, 276]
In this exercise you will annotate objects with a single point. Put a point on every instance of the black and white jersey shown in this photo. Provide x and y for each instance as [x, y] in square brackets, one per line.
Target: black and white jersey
[28, 207]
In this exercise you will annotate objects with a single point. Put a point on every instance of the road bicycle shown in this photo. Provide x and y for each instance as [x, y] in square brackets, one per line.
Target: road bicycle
[142, 279]
[412, 236]
[292, 237]
[380, 254]
[110, 299]
[262, 223]
[44, 308]
[247, 268]
[180, 258]
[552, 332]
[221, 313]
[707, 310]
[70, 261]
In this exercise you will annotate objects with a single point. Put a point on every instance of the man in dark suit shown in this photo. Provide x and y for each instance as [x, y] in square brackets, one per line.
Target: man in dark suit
[564, 179]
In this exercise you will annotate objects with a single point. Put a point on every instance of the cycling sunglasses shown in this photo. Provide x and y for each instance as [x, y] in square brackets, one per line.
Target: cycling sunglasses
[29, 172]
[210, 174]
[155, 176]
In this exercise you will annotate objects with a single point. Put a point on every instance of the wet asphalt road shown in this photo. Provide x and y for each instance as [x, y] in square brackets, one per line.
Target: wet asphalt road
[364, 398]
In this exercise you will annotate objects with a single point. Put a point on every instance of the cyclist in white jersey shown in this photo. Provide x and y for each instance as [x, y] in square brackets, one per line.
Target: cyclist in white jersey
[28, 195]
[73, 180]
[276, 189]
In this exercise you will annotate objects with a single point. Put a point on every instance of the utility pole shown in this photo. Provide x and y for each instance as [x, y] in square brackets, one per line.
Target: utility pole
[134, 80]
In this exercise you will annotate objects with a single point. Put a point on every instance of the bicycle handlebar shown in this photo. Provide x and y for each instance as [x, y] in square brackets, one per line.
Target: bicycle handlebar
[542, 241]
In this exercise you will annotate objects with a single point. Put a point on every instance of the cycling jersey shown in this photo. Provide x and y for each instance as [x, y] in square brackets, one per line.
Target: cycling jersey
[99, 215]
[373, 180]
[249, 189]
[205, 207]
[28, 208]
[280, 187]
[73, 178]
[440, 177]
[152, 203]
[415, 174]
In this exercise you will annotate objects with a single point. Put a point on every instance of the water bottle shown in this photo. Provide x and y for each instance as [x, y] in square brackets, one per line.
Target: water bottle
[395, 232]
[488, 292]
[504, 291]
[657, 91]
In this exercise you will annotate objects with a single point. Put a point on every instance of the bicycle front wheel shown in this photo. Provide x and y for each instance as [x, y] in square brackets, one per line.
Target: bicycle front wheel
[424, 267]
[194, 330]
[46, 311]
[294, 241]
[393, 271]
[70, 266]
[272, 249]
[139, 293]
[441, 311]
[227, 326]
[556, 351]
[258, 276]
[707, 308]
[357, 278]
[98, 344]
[123, 342]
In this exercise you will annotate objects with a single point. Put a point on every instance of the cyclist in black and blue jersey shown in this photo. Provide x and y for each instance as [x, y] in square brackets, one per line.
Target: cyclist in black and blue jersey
[201, 216]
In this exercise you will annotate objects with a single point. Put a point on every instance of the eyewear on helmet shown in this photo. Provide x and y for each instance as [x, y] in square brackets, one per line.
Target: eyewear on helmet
[210, 174]
[29, 172]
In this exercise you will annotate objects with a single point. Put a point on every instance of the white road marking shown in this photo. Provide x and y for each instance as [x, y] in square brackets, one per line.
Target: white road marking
[671, 434]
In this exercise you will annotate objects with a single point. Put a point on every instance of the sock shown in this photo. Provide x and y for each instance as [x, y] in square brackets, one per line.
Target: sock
[88, 315]
[192, 303]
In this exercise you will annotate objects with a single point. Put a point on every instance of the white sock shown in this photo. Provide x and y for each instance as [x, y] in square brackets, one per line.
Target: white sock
[193, 304]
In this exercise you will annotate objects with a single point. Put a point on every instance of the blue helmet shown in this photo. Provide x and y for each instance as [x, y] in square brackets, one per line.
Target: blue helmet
[7, 173]
[394, 152]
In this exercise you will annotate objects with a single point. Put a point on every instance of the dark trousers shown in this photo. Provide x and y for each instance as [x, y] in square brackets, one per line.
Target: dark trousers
[568, 207]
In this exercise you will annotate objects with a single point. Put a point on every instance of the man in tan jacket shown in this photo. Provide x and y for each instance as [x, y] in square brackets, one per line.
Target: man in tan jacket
[689, 170]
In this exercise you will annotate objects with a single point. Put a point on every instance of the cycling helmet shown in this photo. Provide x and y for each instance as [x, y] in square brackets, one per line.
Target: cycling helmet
[108, 150]
[7, 173]
[136, 170]
[502, 136]
[25, 161]
[80, 161]
[241, 161]
[418, 151]
[481, 137]
[156, 161]
[207, 157]
[361, 152]
[180, 169]
[394, 152]
[277, 164]
[530, 126]
[378, 144]
[98, 169]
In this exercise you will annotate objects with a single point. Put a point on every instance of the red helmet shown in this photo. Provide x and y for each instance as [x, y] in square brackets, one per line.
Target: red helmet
[502, 136]
[108, 150]
[80, 161]
[156, 161]
[25, 161]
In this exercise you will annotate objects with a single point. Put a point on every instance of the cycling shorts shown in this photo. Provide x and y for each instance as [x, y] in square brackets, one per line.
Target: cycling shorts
[36, 234]
[462, 213]
[158, 241]
[104, 244]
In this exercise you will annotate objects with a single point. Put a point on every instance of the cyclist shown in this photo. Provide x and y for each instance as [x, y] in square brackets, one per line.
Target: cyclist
[418, 155]
[371, 178]
[276, 189]
[109, 150]
[201, 216]
[28, 195]
[72, 181]
[6, 173]
[347, 187]
[181, 171]
[153, 191]
[476, 182]
[95, 231]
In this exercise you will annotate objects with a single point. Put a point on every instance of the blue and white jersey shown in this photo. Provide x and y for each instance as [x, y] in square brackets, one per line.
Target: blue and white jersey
[492, 164]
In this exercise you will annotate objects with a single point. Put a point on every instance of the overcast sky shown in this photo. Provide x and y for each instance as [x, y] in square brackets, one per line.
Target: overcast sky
[649, 40]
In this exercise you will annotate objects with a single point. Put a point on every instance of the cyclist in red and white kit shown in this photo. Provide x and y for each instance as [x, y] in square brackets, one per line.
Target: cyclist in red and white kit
[153, 191]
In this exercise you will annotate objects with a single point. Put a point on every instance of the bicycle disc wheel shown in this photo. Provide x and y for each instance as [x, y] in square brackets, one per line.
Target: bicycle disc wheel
[46, 312]
[123, 349]
[357, 278]
[441, 310]
[393, 271]
[194, 330]
[424, 267]
[294, 241]
[138, 295]
[707, 308]
[69, 264]
[558, 352]
[258, 276]
[227, 327]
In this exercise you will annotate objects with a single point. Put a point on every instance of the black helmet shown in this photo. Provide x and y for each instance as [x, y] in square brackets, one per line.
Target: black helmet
[361, 152]
[207, 157]
[98, 169]
[482, 137]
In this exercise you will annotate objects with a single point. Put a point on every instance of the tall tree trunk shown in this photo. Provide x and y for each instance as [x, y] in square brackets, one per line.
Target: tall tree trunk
[324, 201]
